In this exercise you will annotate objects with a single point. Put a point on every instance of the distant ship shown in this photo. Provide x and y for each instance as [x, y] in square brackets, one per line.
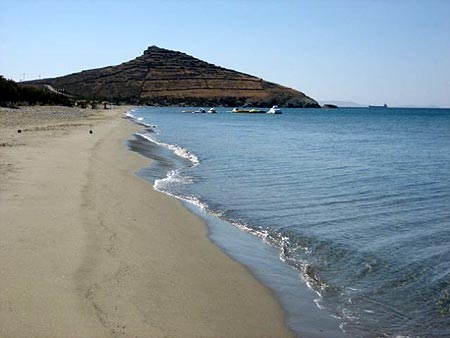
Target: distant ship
[383, 106]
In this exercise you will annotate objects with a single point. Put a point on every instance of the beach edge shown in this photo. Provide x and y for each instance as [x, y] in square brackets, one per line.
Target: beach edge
[111, 255]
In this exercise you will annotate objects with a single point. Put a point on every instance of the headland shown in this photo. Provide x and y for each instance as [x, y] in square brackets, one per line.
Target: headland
[165, 77]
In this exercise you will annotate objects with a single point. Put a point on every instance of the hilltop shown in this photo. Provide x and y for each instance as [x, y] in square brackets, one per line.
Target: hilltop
[165, 77]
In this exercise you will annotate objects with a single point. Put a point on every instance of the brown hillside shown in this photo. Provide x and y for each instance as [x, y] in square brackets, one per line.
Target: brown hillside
[166, 77]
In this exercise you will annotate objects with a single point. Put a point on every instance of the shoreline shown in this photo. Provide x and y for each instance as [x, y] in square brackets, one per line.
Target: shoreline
[299, 301]
[91, 250]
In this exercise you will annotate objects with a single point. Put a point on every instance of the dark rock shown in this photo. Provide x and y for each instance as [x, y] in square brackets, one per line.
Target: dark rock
[329, 106]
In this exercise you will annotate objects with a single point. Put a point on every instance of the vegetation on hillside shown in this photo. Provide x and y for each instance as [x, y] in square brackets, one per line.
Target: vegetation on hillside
[13, 94]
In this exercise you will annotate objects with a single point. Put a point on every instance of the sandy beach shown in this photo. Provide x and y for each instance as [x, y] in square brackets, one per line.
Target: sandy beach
[88, 249]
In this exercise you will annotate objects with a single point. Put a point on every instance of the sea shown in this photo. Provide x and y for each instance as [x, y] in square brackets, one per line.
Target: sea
[343, 213]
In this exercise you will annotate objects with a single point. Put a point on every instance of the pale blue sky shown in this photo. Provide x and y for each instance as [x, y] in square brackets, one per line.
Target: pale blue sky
[367, 51]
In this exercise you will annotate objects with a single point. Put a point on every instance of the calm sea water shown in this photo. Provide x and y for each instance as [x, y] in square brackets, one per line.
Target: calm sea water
[356, 200]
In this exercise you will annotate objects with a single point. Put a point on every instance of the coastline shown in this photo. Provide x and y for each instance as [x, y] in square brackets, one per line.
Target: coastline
[88, 249]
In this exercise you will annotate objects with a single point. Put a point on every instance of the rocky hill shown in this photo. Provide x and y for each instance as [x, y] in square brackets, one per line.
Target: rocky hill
[165, 77]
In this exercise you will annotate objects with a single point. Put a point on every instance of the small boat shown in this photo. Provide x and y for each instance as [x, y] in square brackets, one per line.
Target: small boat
[212, 111]
[238, 110]
[247, 111]
[274, 110]
[201, 110]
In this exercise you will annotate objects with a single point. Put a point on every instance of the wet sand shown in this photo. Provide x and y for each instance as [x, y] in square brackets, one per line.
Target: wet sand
[88, 249]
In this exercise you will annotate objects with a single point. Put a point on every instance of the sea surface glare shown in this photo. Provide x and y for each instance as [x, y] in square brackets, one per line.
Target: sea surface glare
[356, 200]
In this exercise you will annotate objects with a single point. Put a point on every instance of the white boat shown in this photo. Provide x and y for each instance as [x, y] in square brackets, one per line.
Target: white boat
[212, 111]
[201, 110]
[274, 110]
[239, 110]
[256, 111]
[247, 111]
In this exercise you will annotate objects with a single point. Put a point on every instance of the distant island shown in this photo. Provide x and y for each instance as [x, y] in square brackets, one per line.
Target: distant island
[343, 104]
[165, 77]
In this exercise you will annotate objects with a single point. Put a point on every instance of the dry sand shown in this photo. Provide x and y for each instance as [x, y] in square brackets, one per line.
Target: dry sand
[88, 249]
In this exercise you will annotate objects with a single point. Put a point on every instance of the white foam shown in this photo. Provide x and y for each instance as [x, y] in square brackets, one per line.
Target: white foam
[129, 114]
[196, 201]
[177, 150]
[138, 120]
[317, 302]
[158, 186]
[172, 176]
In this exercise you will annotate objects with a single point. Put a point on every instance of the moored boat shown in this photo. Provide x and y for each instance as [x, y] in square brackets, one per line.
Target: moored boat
[201, 110]
[239, 110]
[274, 110]
[212, 110]
[248, 111]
